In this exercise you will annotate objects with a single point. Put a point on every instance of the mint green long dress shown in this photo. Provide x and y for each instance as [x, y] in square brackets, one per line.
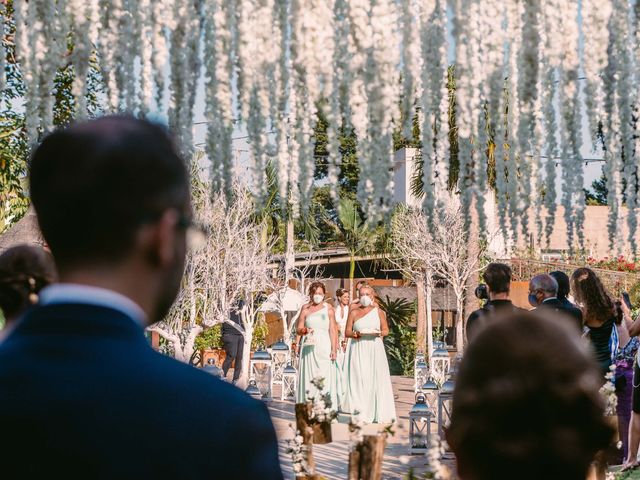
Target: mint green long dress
[368, 391]
[315, 360]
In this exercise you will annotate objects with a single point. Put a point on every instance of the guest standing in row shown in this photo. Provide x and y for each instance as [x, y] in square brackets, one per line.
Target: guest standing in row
[369, 392]
[318, 349]
[342, 313]
[599, 316]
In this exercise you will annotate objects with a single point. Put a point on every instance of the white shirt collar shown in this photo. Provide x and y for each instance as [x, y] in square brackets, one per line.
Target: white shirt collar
[74, 293]
[549, 299]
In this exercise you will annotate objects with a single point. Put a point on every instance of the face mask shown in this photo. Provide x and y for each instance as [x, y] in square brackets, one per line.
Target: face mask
[317, 299]
[365, 300]
[533, 300]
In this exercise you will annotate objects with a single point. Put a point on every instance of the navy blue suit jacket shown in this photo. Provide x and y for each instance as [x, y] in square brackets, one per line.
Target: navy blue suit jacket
[83, 395]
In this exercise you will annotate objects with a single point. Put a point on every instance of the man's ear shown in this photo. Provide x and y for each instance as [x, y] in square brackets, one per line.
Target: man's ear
[159, 239]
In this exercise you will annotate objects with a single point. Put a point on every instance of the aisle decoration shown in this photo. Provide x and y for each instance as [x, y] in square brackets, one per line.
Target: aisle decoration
[270, 67]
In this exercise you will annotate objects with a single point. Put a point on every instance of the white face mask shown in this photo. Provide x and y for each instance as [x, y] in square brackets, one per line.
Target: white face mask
[317, 299]
[365, 300]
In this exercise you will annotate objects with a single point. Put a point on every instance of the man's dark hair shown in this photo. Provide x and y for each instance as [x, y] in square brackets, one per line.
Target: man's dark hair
[497, 276]
[95, 183]
[563, 283]
[526, 390]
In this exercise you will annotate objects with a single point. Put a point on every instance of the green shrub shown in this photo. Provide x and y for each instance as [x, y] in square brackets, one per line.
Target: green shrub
[210, 338]
[260, 332]
[401, 341]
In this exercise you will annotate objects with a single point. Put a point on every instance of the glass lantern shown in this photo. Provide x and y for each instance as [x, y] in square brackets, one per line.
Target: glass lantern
[445, 401]
[261, 370]
[289, 381]
[253, 390]
[440, 364]
[213, 369]
[280, 356]
[431, 392]
[420, 372]
[420, 425]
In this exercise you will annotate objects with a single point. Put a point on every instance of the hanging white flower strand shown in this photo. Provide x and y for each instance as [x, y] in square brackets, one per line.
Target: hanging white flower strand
[552, 56]
[218, 56]
[434, 104]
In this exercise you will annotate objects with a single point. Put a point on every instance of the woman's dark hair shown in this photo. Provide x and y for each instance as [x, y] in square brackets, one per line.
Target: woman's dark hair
[497, 276]
[314, 286]
[526, 403]
[590, 293]
[24, 271]
[564, 286]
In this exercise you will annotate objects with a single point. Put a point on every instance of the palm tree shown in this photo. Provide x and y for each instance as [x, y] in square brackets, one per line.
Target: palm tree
[353, 232]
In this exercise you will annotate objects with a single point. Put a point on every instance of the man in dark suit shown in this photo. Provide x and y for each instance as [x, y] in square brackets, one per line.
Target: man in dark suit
[233, 341]
[497, 277]
[543, 294]
[82, 394]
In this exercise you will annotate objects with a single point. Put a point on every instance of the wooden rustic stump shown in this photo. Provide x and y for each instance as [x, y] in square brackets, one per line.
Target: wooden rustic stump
[320, 432]
[365, 461]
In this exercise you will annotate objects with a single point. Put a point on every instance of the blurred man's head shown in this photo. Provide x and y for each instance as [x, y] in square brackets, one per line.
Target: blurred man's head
[542, 287]
[497, 276]
[526, 403]
[563, 284]
[112, 196]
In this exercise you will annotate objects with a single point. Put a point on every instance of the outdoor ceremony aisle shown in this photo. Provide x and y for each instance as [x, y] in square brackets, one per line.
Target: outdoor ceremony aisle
[332, 459]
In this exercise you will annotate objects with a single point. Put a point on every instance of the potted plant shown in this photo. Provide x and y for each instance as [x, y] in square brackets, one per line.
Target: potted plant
[209, 344]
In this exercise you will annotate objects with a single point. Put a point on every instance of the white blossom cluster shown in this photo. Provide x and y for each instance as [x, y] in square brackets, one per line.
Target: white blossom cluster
[321, 408]
[608, 392]
[296, 448]
[528, 75]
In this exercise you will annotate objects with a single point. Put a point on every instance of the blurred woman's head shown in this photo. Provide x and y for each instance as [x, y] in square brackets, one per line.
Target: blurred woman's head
[342, 295]
[590, 294]
[526, 403]
[24, 271]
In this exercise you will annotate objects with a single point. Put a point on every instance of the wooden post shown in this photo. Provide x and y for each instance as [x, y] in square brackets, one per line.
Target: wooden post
[306, 430]
[421, 321]
[365, 461]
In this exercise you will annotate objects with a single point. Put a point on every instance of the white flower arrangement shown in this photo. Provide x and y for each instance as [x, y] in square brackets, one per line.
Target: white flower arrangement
[322, 410]
[434, 454]
[297, 450]
[608, 392]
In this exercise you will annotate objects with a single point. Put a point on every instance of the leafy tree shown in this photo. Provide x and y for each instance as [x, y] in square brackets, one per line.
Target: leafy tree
[401, 341]
[597, 195]
[353, 232]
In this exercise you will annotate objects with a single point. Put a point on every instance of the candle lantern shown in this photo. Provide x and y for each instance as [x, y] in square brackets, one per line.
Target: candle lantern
[440, 364]
[420, 425]
[280, 356]
[212, 369]
[431, 392]
[261, 369]
[420, 372]
[253, 390]
[289, 380]
[445, 401]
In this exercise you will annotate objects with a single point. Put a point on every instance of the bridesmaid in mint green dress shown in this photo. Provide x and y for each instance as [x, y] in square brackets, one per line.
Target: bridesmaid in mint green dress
[319, 330]
[368, 391]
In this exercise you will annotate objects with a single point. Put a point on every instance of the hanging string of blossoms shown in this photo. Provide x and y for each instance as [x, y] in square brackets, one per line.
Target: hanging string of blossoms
[595, 27]
[3, 54]
[144, 20]
[409, 63]
[218, 56]
[551, 60]
[628, 89]
[335, 112]
[376, 95]
[82, 16]
[496, 66]
[283, 124]
[466, 99]
[527, 143]
[571, 123]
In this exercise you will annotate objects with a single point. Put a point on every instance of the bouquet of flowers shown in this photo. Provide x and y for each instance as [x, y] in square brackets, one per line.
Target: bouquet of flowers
[608, 391]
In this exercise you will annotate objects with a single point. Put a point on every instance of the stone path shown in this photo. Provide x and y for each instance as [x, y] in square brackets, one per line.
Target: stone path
[332, 459]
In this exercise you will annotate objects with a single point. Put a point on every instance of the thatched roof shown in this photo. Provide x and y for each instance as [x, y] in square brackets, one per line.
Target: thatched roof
[443, 298]
[25, 231]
